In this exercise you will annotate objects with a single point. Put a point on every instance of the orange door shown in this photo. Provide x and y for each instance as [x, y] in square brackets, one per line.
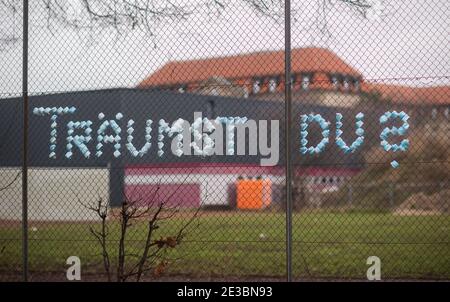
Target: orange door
[253, 194]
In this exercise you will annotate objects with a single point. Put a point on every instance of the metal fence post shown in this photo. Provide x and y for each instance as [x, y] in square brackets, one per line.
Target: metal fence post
[25, 142]
[288, 118]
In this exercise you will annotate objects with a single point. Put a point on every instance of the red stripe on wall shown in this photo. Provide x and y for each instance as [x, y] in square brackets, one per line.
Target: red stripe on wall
[232, 168]
[183, 195]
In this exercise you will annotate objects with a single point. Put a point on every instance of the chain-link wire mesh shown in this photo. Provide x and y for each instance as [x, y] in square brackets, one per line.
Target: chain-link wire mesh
[157, 144]
[356, 202]
[10, 174]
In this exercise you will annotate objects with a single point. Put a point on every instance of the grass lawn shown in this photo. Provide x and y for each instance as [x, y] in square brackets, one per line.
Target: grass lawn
[326, 244]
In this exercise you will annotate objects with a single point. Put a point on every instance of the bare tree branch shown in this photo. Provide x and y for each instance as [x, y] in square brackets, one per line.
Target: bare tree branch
[101, 209]
[124, 15]
[153, 255]
[8, 185]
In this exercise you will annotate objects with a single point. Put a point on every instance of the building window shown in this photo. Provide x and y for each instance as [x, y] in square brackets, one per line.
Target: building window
[305, 82]
[335, 82]
[273, 85]
[293, 79]
[346, 84]
[256, 86]
[434, 113]
[357, 85]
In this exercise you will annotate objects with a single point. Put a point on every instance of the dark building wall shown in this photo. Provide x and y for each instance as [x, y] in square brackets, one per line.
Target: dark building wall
[141, 105]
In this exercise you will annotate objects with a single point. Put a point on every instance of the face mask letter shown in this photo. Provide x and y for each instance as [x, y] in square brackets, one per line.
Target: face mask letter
[304, 124]
[54, 112]
[394, 131]
[359, 132]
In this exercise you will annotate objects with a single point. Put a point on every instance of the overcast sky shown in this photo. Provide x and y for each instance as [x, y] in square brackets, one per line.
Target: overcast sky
[410, 41]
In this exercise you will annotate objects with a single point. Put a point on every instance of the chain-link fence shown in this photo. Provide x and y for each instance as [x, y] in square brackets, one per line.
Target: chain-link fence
[164, 141]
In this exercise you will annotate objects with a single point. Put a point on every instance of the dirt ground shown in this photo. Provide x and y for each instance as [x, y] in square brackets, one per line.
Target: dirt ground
[60, 277]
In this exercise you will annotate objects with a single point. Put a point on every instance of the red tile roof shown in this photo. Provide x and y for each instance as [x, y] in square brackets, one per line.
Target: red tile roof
[321, 61]
[248, 66]
[438, 95]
